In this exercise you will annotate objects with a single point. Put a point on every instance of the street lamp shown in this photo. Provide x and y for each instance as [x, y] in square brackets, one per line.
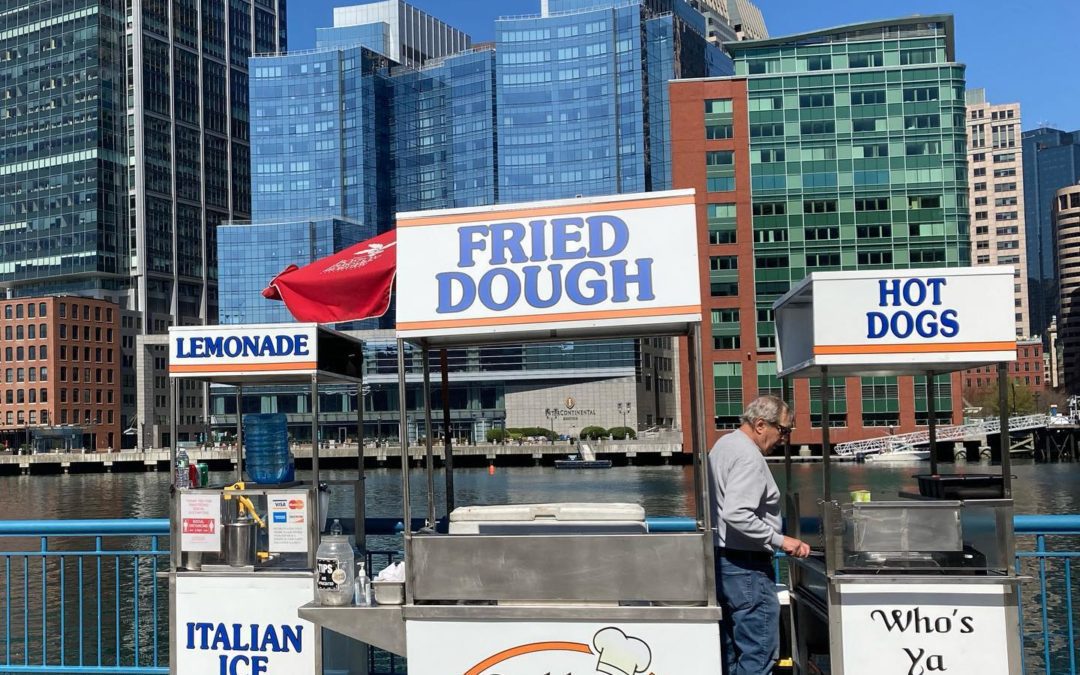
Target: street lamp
[550, 414]
[624, 408]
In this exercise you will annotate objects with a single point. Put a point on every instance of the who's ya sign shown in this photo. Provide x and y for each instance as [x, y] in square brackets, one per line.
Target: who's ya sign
[907, 629]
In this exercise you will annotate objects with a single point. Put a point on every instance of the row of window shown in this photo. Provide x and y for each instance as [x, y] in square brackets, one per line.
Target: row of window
[40, 309]
[77, 417]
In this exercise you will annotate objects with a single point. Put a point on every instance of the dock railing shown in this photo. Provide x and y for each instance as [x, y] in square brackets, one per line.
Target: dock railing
[85, 596]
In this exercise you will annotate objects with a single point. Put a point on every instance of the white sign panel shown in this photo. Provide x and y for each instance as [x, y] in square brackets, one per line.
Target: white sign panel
[200, 521]
[922, 316]
[288, 522]
[620, 260]
[566, 648]
[905, 629]
[205, 351]
[243, 625]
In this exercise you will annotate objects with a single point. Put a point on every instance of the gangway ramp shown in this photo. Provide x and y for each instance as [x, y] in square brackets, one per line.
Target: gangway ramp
[956, 433]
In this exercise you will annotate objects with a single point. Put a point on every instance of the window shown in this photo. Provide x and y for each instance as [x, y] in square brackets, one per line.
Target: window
[767, 156]
[873, 231]
[770, 208]
[924, 202]
[42, 310]
[721, 220]
[922, 148]
[717, 106]
[63, 310]
[1005, 187]
[912, 57]
[921, 94]
[978, 172]
[922, 121]
[818, 62]
[820, 206]
[815, 100]
[870, 150]
[817, 127]
[719, 158]
[771, 262]
[723, 262]
[18, 311]
[874, 97]
[715, 131]
[720, 183]
[765, 130]
[7, 311]
[872, 204]
[866, 60]
[822, 260]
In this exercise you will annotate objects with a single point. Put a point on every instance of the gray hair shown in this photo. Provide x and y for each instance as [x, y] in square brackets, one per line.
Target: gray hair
[768, 408]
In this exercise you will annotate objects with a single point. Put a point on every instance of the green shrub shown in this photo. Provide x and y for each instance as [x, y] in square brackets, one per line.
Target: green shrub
[496, 435]
[593, 433]
[622, 433]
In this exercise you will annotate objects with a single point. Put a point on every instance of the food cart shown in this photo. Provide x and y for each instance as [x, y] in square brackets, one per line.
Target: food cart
[548, 595]
[924, 582]
[243, 560]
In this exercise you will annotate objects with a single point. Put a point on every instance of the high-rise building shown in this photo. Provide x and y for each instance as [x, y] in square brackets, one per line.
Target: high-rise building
[1051, 162]
[839, 149]
[573, 101]
[746, 20]
[1067, 225]
[996, 171]
[124, 140]
[395, 29]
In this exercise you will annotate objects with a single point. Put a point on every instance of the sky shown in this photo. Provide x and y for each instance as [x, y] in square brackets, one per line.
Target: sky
[1029, 54]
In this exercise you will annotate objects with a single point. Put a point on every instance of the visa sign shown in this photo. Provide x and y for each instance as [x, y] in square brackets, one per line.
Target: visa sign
[922, 310]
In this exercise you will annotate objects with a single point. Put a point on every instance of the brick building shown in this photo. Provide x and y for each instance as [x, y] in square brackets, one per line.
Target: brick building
[60, 363]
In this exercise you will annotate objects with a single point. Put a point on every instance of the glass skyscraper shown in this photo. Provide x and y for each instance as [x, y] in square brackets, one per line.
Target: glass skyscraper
[841, 149]
[1051, 162]
[582, 95]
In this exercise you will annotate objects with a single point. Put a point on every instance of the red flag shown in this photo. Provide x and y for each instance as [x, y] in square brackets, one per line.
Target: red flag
[350, 285]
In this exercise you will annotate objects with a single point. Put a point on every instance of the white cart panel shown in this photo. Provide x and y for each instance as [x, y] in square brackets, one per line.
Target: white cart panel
[587, 648]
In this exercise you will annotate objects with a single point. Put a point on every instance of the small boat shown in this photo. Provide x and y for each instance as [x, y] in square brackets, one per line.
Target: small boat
[899, 455]
[585, 459]
[575, 463]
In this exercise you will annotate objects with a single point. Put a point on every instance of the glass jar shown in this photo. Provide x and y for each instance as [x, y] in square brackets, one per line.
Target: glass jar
[335, 567]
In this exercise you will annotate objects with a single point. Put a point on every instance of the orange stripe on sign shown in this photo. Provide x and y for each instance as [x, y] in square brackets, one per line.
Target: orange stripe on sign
[916, 349]
[239, 367]
[492, 216]
[528, 649]
[550, 318]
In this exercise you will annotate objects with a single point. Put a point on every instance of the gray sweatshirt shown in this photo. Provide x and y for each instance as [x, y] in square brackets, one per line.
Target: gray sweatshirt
[744, 496]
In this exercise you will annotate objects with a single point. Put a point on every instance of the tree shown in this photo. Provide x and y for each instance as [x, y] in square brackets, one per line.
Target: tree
[1021, 399]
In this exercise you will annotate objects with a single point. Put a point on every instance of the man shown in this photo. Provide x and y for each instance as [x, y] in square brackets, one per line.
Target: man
[746, 516]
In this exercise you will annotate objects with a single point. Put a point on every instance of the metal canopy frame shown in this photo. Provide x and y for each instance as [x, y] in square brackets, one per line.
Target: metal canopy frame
[690, 330]
[315, 378]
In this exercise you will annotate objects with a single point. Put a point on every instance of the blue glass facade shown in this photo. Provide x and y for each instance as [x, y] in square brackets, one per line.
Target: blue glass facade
[1051, 162]
[317, 141]
[374, 36]
[582, 95]
[252, 254]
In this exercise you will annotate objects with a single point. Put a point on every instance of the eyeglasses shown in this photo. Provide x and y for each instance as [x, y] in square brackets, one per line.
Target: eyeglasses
[784, 431]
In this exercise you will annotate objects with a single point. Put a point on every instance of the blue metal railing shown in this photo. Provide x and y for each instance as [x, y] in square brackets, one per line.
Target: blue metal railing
[83, 596]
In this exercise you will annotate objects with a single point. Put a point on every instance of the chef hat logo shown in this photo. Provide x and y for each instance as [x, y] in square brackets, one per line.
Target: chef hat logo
[619, 653]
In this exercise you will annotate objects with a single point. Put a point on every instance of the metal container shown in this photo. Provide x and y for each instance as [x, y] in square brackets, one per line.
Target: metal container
[240, 542]
[388, 592]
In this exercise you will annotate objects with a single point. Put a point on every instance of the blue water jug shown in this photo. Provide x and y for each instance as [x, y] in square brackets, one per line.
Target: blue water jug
[266, 448]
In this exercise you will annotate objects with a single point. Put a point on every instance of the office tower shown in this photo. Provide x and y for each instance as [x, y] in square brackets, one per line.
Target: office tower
[125, 138]
[395, 29]
[996, 171]
[746, 20]
[582, 95]
[837, 149]
[1066, 215]
[1051, 162]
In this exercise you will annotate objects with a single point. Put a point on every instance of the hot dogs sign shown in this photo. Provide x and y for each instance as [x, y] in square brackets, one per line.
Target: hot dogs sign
[538, 648]
[549, 265]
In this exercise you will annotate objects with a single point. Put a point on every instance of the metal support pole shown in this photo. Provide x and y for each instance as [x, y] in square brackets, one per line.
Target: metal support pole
[430, 453]
[931, 422]
[239, 433]
[448, 446]
[360, 494]
[173, 398]
[403, 433]
[826, 447]
[1003, 405]
[315, 440]
[785, 395]
[697, 429]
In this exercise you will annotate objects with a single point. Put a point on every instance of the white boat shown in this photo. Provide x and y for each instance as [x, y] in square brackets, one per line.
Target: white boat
[906, 454]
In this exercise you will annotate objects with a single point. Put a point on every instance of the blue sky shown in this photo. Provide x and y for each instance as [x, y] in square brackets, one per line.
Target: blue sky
[1017, 53]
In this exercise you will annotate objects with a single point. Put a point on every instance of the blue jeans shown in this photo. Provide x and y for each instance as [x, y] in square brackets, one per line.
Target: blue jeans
[749, 630]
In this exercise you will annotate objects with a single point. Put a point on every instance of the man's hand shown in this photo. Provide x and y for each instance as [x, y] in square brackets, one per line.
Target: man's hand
[795, 548]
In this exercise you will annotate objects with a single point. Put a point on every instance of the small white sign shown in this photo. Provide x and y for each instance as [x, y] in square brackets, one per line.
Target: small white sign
[570, 648]
[208, 351]
[288, 522]
[243, 625]
[200, 521]
[905, 629]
